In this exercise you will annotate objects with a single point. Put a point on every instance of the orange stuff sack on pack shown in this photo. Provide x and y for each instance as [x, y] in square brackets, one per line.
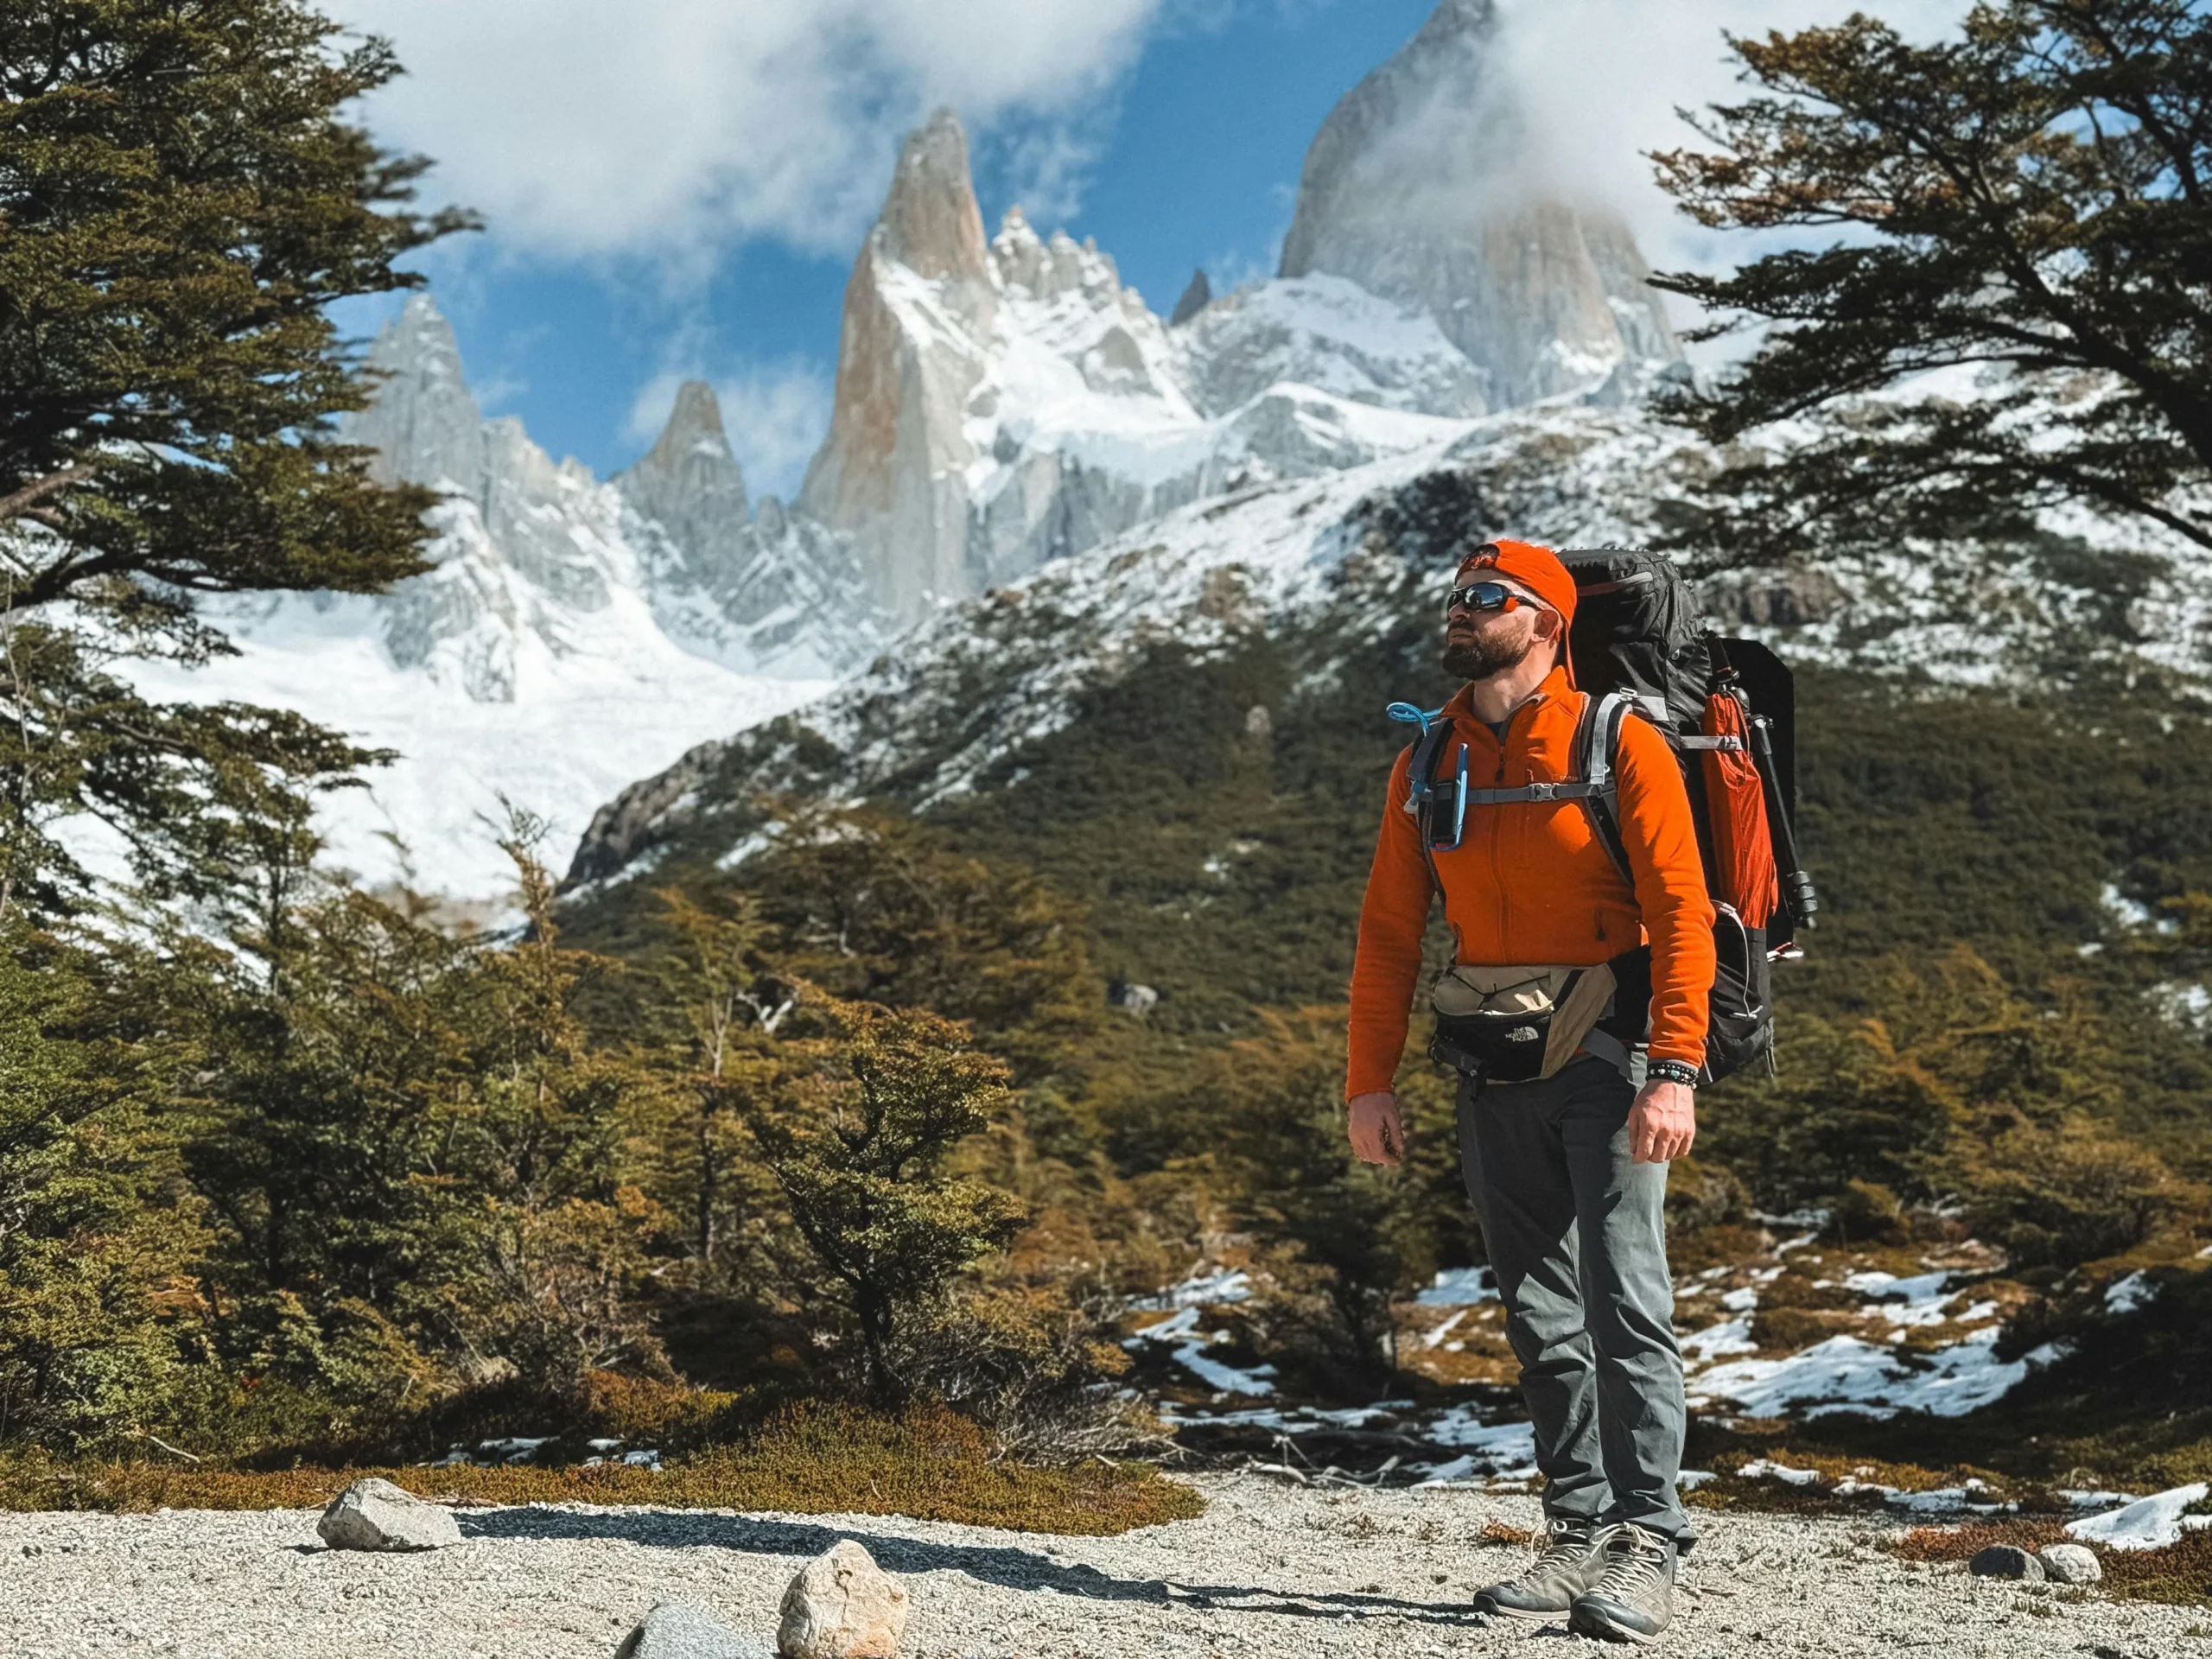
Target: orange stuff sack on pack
[1744, 875]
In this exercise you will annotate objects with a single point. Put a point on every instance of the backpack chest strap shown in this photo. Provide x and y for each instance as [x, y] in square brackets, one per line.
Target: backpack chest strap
[1573, 789]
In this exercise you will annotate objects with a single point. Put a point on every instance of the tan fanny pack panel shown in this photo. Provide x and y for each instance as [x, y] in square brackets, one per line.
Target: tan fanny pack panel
[1575, 998]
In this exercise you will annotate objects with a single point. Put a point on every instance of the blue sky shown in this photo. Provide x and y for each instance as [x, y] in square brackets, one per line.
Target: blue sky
[679, 188]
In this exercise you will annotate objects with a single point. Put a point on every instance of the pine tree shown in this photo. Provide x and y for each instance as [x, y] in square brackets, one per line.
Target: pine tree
[859, 1144]
[2032, 197]
[713, 1012]
[181, 197]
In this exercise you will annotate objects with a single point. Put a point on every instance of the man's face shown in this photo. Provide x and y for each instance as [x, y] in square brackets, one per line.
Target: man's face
[1478, 643]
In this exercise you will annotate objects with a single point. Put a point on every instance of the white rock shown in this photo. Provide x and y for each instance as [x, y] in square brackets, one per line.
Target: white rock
[842, 1605]
[675, 1630]
[377, 1515]
[2071, 1564]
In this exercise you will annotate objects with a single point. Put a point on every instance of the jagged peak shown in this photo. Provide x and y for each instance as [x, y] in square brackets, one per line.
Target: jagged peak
[689, 480]
[694, 426]
[1427, 184]
[419, 340]
[931, 223]
[1456, 19]
[1196, 298]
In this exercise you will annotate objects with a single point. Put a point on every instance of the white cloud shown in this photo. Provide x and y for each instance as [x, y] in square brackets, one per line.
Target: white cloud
[671, 128]
[1602, 81]
[775, 414]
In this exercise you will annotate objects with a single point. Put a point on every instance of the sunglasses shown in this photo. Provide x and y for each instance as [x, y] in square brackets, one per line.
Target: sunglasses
[1482, 596]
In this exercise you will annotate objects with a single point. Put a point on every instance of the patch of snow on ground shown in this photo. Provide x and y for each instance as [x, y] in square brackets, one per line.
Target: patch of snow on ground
[2148, 1524]
[1715, 1341]
[1220, 1287]
[1767, 1469]
[1505, 1451]
[2126, 1295]
[1460, 1287]
[1435, 1338]
[1190, 1345]
[1846, 1375]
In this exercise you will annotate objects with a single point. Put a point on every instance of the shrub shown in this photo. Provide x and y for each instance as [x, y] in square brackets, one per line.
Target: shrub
[1866, 1212]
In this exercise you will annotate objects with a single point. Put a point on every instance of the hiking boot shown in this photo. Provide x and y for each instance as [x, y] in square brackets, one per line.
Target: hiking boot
[1568, 1565]
[1634, 1596]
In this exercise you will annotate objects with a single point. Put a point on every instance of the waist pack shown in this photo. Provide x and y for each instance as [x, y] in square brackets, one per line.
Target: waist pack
[1513, 1025]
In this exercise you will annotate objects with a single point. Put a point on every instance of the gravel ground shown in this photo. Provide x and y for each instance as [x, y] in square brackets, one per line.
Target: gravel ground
[1267, 1571]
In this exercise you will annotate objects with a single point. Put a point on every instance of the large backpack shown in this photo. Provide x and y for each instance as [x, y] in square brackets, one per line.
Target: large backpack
[1727, 707]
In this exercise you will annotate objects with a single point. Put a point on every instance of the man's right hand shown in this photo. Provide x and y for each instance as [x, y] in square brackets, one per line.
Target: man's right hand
[1372, 1121]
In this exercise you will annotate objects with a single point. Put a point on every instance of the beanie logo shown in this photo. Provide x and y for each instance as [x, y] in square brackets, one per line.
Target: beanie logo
[1482, 557]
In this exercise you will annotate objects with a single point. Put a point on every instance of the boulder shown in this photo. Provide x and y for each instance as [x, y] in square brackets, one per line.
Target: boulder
[842, 1605]
[2071, 1564]
[377, 1515]
[2004, 1561]
[675, 1630]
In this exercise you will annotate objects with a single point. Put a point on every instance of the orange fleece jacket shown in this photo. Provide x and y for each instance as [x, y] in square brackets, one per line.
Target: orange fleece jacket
[1530, 882]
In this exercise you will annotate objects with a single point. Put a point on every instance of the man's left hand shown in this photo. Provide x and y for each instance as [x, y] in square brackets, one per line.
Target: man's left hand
[1663, 1122]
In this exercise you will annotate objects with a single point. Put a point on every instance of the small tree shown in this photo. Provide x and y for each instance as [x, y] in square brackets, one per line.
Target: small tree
[180, 201]
[712, 1009]
[538, 1146]
[880, 908]
[2034, 196]
[99, 1316]
[859, 1144]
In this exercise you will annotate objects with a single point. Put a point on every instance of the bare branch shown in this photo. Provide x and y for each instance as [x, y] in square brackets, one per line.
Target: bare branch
[20, 504]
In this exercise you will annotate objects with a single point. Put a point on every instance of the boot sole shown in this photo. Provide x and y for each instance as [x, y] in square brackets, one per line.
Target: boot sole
[1495, 1611]
[1587, 1623]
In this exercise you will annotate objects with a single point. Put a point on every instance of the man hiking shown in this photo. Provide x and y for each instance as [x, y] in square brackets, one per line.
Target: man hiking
[1567, 1171]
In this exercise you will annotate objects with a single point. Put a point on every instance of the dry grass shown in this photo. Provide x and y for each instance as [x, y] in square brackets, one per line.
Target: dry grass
[1964, 1543]
[2181, 1574]
[1495, 1534]
[931, 1465]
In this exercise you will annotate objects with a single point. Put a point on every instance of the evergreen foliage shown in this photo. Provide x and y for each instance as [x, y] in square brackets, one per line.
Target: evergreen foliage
[181, 197]
[859, 1142]
[2030, 197]
[98, 1236]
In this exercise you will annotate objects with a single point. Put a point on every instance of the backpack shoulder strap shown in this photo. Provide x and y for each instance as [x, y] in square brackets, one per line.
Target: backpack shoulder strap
[1420, 789]
[1596, 762]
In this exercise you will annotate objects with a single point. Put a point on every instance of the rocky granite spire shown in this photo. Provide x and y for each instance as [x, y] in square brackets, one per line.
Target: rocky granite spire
[931, 223]
[1420, 187]
[424, 424]
[688, 482]
[1196, 298]
[889, 473]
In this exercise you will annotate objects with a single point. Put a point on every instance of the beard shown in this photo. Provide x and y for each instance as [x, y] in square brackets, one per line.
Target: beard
[1486, 655]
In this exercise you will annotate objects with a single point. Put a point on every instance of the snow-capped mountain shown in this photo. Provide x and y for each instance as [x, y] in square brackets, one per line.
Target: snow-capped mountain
[1422, 187]
[1338, 567]
[571, 634]
[1005, 401]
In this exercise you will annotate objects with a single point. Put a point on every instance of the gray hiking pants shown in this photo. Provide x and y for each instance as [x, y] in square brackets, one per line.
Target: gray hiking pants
[1576, 1233]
